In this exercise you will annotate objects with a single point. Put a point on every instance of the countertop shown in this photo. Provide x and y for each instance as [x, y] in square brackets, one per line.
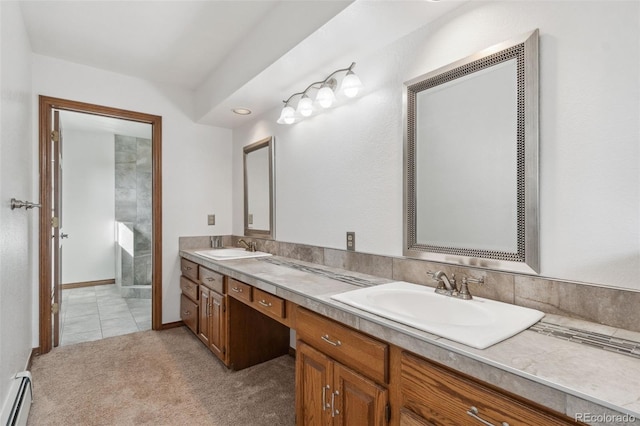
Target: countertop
[565, 376]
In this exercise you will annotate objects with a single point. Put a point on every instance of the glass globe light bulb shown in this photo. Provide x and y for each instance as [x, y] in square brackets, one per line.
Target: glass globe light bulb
[305, 106]
[351, 84]
[287, 116]
[325, 97]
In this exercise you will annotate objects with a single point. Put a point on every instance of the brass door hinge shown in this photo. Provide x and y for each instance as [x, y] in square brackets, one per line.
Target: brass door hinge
[55, 136]
[55, 308]
[55, 222]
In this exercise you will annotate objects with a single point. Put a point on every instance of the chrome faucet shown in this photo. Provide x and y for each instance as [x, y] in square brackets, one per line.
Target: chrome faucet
[445, 285]
[249, 246]
[448, 286]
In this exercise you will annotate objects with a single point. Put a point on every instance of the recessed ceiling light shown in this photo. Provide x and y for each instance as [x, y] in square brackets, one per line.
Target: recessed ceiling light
[242, 111]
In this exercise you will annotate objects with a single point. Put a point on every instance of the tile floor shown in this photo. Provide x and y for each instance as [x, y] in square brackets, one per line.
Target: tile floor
[93, 313]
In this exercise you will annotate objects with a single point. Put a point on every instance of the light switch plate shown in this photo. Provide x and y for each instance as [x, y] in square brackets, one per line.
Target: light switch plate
[250, 219]
[211, 219]
[351, 241]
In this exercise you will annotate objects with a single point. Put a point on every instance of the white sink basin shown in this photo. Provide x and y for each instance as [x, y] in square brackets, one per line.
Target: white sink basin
[479, 322]
[231, 253]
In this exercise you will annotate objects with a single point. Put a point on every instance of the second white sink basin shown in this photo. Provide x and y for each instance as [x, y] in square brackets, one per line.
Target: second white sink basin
[478, 323]
[231, 253]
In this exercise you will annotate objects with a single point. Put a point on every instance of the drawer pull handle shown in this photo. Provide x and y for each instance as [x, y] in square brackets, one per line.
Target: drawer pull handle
[210, 279]
[186, 268]
[186, 313]
[236, 289]
[331, 342]
[473, 412]
[264, 303]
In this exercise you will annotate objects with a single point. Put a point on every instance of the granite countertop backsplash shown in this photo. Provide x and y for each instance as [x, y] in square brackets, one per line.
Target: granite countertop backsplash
[586, 382]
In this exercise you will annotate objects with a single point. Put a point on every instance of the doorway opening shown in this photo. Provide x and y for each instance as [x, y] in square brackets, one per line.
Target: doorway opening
[112, 234]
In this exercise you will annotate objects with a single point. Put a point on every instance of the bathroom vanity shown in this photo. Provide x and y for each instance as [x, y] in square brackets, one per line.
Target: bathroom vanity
[353, 367]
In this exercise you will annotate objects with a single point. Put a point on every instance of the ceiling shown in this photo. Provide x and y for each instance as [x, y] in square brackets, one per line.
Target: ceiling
[229, 53]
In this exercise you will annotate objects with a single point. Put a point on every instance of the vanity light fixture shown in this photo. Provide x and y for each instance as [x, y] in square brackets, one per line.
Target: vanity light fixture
[325, 96]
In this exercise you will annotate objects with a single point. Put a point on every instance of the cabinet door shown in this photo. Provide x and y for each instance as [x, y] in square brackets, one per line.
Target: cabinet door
[357, 400]
[189, 313]
[217, 325]
[313, 389]
[204, 314]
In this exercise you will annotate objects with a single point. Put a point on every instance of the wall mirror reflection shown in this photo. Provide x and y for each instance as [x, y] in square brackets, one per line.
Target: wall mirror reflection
[259, 191]
[471, 160]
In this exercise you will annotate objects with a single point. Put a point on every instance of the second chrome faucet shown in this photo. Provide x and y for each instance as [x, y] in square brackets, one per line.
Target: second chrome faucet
[249, 246]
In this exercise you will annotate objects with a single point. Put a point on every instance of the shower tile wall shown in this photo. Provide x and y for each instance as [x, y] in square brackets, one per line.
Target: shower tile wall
[133, 208]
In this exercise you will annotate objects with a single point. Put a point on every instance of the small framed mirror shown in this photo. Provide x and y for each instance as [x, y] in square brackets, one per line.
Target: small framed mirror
[259, 189]
[471, 160]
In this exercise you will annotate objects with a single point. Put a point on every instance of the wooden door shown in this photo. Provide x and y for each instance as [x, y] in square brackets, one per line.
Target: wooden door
[204, 312]
[357, 400]
[313, 386]
[56, 224]
[217, 325]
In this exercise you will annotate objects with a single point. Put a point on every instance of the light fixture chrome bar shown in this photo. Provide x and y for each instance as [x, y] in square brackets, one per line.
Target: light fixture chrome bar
[325, 96]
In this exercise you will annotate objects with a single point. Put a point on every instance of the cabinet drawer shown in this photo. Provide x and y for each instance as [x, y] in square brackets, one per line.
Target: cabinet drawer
[267, 302]
[189, 288]
[189, 269]
[443, 397]
[189, 313]
[350, 347]
[240, 290]
[211, 279]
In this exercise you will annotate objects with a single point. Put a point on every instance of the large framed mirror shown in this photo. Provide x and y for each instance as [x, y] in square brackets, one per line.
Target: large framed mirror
[259, 189]
[471, 160]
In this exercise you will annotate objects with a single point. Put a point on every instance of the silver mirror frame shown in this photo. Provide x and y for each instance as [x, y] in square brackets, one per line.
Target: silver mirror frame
[270, 233]
[526, 260]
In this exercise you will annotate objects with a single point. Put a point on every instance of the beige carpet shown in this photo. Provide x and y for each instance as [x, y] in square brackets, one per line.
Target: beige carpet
[157, 378]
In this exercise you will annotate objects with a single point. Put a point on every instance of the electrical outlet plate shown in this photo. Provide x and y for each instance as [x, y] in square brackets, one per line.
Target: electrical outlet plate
[211, 219]
[351, 241]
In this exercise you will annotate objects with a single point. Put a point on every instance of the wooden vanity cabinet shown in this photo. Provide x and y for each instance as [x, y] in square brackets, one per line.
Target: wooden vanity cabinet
[189, 313]
[435, 395]
[212, 324]
[334, 377]
[189, 307]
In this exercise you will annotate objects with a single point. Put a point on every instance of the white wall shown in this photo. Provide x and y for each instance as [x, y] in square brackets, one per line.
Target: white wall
[16, 277]
[88, 191]
[342, 170]
[196, 172]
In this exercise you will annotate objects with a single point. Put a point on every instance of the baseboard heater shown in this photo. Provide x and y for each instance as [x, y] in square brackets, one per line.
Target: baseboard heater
[22, 402]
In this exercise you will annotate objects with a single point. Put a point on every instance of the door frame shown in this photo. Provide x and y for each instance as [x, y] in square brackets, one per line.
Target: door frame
[46, 106]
